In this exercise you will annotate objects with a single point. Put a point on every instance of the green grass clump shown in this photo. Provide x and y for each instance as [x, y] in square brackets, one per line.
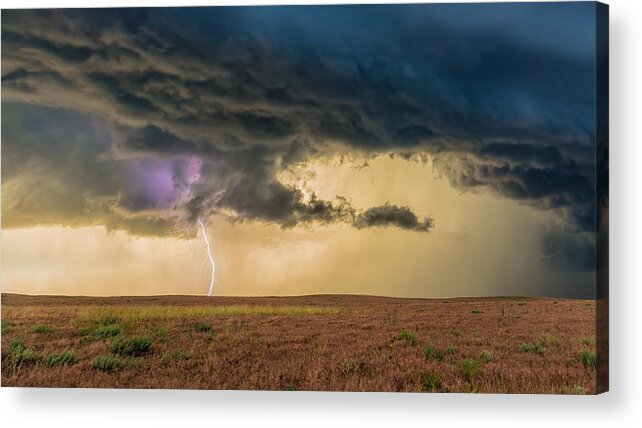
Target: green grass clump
[59, 359]
[430, 382]
[41, 329]
[159, 331]
[202, 327]
[539, 348]
[533, 348]
[7, 327]
[470, 369]
[107, 363]
[16, 344]
[131, 347]
[176, 355]
[452, 350]
[110, 330]
[477, 311]
[588, 358]
[455, 332]
[26, 355]
[20, 354]
[179, 354]
[432, 353]
[136, 363]
[486, 356]
[549, 340]
[405, 336]
[351, 366]
[107, 319]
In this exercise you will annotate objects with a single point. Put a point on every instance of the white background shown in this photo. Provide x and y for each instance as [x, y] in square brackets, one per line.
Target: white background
[622, 406]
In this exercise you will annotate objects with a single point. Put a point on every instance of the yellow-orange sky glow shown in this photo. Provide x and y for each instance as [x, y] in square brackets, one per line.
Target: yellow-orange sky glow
[481, 245]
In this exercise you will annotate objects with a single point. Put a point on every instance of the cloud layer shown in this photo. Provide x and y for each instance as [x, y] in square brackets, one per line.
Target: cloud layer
[145, 119]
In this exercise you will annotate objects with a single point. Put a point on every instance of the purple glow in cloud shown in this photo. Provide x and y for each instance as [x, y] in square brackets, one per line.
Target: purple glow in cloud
[162, 183]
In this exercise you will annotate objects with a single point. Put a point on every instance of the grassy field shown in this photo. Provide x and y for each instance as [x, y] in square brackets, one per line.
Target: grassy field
[330, 343]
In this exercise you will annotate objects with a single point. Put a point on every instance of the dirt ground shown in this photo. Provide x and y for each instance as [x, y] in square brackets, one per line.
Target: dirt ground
[324, 342]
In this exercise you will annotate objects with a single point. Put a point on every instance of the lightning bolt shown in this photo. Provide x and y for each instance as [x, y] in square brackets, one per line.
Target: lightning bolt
[211, 257]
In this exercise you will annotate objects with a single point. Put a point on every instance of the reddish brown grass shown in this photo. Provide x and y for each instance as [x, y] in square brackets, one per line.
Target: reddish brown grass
[330, 343]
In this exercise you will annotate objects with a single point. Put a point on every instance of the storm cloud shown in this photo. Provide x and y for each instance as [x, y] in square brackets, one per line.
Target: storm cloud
[392, 215]
[214, 102]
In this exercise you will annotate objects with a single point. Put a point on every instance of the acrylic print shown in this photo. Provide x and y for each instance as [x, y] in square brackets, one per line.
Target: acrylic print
[406, 198]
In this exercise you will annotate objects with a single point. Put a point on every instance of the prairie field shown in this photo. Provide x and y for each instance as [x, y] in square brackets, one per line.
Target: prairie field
[319, 343]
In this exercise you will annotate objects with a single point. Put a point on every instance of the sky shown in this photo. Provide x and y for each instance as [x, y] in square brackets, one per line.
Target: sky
[405, 150]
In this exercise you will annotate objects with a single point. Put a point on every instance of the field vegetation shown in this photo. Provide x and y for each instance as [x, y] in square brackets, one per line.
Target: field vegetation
[337, 343]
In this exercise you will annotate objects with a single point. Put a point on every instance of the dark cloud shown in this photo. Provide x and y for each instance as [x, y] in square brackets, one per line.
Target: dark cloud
[56, 170]
[297, 153]
[567, 188]
[392, 215]
[62, 172]
[17, 74]
[390, 85]
[522, 153]
[501, 96]
[127, 100]
[569, 252]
